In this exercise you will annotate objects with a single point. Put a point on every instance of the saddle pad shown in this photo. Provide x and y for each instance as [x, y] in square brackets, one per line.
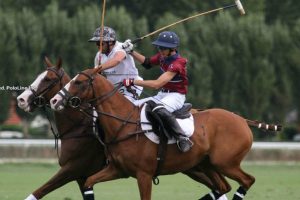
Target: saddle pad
[187, 126]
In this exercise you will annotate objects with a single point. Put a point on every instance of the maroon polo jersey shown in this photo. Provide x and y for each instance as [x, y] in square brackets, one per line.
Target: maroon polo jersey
[174, 63]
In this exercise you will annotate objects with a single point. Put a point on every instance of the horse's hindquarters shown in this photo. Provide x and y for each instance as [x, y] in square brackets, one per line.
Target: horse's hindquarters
[226, 135]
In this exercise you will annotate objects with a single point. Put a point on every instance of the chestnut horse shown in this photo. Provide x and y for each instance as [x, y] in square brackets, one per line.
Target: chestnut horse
[81, 153]
[221, 141]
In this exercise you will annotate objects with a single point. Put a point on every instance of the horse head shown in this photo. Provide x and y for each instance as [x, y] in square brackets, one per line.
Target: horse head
[44, 87]
[80, 89]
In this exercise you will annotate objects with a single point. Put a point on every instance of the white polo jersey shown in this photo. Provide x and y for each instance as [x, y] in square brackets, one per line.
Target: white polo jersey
[125, 69]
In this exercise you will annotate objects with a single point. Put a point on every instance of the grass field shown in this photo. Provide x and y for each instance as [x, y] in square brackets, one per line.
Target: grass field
[273, 181]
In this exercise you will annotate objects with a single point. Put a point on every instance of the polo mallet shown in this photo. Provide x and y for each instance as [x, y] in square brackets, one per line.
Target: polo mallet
[101, 31]
[237, 4]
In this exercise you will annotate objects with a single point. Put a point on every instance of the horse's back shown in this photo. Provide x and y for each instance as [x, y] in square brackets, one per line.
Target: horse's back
[224, 133]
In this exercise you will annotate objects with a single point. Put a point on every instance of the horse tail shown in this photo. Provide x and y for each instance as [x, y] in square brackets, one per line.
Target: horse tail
[263, 125]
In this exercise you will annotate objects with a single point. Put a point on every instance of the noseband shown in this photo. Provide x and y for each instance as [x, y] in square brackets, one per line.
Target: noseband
[39, 99]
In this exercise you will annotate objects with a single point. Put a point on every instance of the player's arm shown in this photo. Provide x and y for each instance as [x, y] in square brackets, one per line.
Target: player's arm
[118, 57]
[158, 83]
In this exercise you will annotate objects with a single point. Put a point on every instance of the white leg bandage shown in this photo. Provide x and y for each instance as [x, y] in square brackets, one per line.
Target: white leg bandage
[31, 197]
[223, 197]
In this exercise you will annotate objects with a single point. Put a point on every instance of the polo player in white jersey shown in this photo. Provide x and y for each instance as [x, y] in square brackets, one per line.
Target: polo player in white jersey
[117, 65]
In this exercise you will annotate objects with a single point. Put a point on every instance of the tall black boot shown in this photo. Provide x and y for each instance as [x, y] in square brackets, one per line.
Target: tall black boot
[184, 143]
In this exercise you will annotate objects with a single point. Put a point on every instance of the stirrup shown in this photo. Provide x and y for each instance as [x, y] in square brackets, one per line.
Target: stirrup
[184, 144]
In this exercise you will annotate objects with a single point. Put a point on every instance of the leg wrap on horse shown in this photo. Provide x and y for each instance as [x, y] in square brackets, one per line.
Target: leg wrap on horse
[213, 195]
[31, 197]
[88, 194]
[239, 194]
[184, 144]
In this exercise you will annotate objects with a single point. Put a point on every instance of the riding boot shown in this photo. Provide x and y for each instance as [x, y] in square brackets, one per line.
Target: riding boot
[184, 143]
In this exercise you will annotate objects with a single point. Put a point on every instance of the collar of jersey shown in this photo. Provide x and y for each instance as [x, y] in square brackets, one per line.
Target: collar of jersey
[170, 59]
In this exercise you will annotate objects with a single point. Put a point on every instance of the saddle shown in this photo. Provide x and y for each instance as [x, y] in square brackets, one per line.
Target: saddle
[183, 112]
[159, 127]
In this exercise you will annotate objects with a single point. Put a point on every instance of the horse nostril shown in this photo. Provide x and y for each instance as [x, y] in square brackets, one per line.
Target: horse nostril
[54, 101]
[21, 100]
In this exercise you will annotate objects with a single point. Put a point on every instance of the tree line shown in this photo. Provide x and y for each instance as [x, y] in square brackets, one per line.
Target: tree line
[248, 65]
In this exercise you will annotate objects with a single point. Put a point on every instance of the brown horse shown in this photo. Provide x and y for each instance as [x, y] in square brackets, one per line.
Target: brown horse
[221, 141]
[78, 143]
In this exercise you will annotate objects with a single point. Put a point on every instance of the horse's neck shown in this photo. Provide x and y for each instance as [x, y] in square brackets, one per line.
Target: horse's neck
[70, 121]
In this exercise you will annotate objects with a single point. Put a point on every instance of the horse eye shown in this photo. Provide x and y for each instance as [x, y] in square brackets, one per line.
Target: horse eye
[77, 82]
[47, 79]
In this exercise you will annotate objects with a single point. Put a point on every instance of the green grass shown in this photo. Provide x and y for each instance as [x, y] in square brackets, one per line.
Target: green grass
[275, 182]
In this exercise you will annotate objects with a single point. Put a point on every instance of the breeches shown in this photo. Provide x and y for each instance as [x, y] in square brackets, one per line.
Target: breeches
[171, 101]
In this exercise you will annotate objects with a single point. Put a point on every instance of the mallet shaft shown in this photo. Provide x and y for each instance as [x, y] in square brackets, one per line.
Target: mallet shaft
[237, 4]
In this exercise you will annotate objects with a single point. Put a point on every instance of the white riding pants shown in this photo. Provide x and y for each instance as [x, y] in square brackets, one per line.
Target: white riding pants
[170, 100]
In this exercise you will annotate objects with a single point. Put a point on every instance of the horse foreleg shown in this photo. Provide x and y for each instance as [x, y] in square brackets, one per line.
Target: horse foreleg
[59, 179]
[145, 185]
[87, 193]
[107, 174]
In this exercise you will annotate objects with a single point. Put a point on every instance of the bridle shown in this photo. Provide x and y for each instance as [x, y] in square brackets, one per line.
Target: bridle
[76, 102]
[39, 99]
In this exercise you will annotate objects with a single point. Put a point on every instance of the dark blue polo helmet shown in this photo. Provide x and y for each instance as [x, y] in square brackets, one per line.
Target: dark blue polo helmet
[167, 39]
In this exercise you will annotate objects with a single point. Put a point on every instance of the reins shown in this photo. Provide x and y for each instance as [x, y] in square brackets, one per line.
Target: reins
[98, 100]
[40, 102]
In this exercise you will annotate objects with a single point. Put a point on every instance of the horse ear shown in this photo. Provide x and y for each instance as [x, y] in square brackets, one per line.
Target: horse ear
[59, 63]
[47, 61]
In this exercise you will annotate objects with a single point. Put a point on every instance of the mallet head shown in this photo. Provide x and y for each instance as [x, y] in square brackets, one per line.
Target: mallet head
[240, 7]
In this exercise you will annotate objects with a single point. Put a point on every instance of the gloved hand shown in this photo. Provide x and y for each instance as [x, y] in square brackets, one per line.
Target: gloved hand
[127, 82]
[127, 46]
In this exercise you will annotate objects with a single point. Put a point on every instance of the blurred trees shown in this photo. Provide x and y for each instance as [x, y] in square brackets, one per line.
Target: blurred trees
[249, 65]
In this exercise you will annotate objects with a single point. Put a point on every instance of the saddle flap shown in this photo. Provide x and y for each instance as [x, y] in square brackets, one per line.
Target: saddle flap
[157, 125]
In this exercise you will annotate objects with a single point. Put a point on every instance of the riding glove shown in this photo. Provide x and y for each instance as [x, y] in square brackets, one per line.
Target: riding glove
[127, 46]
[127, 82]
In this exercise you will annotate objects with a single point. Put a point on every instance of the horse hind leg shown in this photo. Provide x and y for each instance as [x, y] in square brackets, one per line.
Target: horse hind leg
[87, 193]
[215, 183]
[245, 180]
[207, 175]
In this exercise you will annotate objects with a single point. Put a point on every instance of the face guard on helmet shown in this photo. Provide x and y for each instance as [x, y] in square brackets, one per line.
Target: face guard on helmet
[167, 39]
[109, 35]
